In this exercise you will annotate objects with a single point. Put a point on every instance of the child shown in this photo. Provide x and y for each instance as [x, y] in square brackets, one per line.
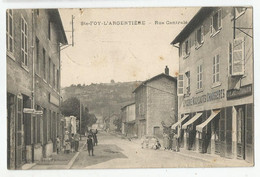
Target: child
[90, 145]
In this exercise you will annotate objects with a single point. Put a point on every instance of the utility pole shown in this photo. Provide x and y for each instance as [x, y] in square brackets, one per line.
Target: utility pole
[72, 30]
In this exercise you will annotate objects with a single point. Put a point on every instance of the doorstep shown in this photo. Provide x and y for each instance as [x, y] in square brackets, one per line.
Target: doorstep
[27, 166]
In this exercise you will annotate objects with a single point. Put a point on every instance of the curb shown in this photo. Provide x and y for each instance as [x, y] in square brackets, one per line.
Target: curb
[69, 165]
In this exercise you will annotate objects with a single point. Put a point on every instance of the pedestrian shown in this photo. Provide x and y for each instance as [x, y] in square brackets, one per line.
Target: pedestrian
[165, 141]
[76, 138]
[57, 144]
[72, 142]
[67, 146]
[95, 137]
[90, 145]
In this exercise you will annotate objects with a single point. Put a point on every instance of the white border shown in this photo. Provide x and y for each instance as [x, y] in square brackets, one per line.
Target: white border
[189, 172]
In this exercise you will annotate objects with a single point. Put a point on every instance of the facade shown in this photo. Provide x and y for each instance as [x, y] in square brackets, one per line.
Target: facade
[129, 126]
[71, 124]
[215, 83]
[156, 104]
[33, 39]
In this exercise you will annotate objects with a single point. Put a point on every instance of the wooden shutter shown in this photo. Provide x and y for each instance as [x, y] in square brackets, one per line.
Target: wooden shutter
[211, 26]
[183, 49]
[202, 34]
[180, 85]
[196, 38]
[238, 57]
[219, 18]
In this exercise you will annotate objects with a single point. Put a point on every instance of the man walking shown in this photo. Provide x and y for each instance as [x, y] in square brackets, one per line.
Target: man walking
[76, 138]
[90, 145]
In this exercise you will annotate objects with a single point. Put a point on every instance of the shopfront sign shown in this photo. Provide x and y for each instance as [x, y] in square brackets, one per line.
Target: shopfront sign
[237, 93]
[219, 94]
[54, 100]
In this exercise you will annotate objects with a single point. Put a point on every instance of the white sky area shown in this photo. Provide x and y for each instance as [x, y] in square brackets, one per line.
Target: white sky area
[120, 52]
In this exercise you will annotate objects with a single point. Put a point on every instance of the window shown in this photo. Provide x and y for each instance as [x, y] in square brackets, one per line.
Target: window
[215, 69]
[187, 74]
[24, 41]
[199, 77]
[58, 79]
[49, 30]
[199, 37]
[238, 59]
[186, 48]
[37, 56]
[53, 75]
[49, 71]
[180, 85]
[230, 51]
[44, 63]
[216, 23]
[9, 31]
[37, 12]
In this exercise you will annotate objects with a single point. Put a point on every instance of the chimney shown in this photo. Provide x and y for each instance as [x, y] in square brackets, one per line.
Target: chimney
[166, 70]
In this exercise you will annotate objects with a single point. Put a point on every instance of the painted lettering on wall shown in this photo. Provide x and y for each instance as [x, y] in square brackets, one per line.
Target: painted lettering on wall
[219, 94]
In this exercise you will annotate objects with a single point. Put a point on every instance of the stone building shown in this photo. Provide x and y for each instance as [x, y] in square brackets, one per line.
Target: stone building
[33, 39]
[155, 104]
[129, 127]
[215, 82]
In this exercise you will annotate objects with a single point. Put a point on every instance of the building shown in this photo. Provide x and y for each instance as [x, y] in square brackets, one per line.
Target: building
[71, 124]
[129, 126]
[110, 122]
[156, 104]
[215, 82]
[33, 39]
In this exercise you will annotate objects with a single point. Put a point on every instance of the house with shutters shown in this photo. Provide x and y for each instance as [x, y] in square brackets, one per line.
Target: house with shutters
[129, 126]
[33, 41]
[215, 83]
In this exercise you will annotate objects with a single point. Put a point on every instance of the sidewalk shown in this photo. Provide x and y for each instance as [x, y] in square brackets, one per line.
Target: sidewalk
[214, 159]
[61, 160]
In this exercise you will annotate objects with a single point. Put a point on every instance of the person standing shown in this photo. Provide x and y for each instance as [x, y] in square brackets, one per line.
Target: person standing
[57, 144]
[72, 141]
[95, 137]
[76, 138]
[90, 145]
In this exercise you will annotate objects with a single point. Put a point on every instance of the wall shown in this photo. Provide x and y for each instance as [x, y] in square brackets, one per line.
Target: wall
[141, 110]
[218, 44]
[161, 104]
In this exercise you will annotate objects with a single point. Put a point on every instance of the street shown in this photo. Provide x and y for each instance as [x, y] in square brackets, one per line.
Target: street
[114, 151]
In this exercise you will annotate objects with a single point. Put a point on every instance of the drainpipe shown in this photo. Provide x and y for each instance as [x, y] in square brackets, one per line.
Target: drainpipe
[33, 84]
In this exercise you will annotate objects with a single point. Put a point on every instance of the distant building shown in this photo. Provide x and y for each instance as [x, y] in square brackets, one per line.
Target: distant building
[129, 126]
[109, 122]
[156, 103]
[33, 40]
[216, 111]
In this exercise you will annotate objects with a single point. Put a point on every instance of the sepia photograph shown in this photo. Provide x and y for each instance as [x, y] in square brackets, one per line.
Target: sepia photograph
[124, 88]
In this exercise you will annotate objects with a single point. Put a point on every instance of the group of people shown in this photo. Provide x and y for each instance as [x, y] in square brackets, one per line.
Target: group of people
[71, 143]
[171, 141]
[92, 141]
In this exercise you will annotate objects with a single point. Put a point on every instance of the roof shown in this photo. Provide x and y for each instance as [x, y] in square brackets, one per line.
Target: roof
[128, 105]
[55, 17]
[155, 77]
[194, 22]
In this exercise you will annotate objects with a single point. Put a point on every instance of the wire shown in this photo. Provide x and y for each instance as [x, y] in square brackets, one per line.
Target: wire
[159, 89]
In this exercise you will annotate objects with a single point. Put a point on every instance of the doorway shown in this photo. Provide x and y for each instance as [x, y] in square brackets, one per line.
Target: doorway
[241, 132]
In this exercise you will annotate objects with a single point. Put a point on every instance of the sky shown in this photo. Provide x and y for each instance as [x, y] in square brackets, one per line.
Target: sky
[120, 52]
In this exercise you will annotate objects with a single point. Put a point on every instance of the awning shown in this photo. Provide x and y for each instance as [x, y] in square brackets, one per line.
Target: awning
[201, 126]
[179, 122]
[193, 119]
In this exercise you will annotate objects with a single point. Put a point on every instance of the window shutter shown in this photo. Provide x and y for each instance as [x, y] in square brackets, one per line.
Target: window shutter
[238, 57]
[196, 38]
[183, 49]
[202, 34]
[211, 26]
[180, 85]
[189, 45]
[219, 18]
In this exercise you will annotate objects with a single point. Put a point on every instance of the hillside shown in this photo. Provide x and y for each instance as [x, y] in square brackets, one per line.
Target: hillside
[102, 99]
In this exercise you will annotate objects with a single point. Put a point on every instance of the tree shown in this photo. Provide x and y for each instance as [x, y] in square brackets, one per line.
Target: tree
[71, 107]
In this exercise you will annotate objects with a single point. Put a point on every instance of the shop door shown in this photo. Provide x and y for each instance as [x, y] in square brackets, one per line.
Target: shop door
[249, 136]
[19, 132]
[241, 132]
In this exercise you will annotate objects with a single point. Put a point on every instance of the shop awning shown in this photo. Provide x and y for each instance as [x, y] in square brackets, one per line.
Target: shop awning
[193, 119]
[180, 121]
[211, 117]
